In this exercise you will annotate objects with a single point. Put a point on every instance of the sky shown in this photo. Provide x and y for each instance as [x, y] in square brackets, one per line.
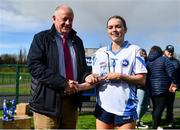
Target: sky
[149, 22]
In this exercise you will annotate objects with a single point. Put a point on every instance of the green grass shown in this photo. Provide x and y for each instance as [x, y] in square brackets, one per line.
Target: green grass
[10, 78]
[22, 90]
[178, 94]
[1, 113]
[147, 119]
[25, 89]
[87, 121]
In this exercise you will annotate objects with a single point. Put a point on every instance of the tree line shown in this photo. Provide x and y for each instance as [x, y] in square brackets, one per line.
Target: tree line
[20, 58]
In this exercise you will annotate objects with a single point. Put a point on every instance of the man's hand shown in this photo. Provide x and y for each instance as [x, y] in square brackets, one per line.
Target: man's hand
[71, 87]
[173, 88]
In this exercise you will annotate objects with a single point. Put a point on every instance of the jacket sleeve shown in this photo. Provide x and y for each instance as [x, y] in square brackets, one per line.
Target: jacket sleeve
[170, 69]
[177, 71]
[38, 65]
[178, 74]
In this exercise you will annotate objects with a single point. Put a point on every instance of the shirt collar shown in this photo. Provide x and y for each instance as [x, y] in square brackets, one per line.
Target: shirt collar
[125, 45]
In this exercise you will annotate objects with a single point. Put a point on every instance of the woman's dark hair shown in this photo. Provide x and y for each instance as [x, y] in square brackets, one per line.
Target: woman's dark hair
[118, 17]
[157, 49]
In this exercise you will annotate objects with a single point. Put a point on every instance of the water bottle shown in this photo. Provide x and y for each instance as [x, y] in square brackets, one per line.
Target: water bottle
[13, 108]
[5, 115]
[8, 110]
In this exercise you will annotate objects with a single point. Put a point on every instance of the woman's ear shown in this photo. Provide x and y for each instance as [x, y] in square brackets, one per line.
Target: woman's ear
[126, 30]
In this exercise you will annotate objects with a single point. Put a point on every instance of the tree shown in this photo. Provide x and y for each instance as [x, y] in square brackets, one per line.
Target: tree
[8, 59]
[22, 57]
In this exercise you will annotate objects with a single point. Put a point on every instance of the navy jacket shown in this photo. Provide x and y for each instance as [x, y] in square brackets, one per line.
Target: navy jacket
[161, 73]
[176, 64]
[47, 84]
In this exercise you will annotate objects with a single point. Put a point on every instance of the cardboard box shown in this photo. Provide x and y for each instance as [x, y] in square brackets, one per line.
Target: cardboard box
[20, 122]
[22, 109]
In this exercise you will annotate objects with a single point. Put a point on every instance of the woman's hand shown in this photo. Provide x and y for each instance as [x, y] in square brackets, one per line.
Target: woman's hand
[93, 79]
[113, 76]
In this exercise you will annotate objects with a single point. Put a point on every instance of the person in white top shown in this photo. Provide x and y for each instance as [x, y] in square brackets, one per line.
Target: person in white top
[121, 69]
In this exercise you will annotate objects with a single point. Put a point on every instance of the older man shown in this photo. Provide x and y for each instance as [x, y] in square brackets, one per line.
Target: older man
[56, 61]
[169, 53]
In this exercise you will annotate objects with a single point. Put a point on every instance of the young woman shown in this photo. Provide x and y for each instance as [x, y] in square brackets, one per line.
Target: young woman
[122, 68]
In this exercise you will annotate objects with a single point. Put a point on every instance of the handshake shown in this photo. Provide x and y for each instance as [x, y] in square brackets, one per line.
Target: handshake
[74, 87]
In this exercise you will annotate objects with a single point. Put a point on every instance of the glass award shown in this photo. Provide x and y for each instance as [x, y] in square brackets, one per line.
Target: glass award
[101, 65]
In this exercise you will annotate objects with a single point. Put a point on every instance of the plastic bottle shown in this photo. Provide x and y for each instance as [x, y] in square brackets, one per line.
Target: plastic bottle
[5, 115]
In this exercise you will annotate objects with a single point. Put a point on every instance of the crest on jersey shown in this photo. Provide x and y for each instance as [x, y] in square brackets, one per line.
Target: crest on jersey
[125, 63]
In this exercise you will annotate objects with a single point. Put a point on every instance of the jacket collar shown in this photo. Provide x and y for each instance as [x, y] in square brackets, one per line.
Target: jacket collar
[72, 34]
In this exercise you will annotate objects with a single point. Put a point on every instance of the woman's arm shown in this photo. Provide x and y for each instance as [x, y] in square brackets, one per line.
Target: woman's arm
[138, 79]
[85, 86]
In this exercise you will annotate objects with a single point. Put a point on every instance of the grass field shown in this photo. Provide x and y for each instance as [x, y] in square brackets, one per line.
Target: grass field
[22, 90]
[9, 79]
[87, 121]
[25, 89]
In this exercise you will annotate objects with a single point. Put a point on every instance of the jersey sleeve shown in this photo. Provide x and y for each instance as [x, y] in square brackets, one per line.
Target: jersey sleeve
[139, 65]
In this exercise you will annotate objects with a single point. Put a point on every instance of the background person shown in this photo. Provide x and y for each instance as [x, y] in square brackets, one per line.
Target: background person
[161, 80]
[169, 53]
[143, 99]
[56, 61]
[116, 95]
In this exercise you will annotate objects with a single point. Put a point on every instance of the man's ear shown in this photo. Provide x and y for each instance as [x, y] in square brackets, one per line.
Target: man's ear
[53, 17]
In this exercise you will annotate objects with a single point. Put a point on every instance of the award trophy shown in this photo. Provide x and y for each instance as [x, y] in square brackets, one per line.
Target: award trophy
[101, 63]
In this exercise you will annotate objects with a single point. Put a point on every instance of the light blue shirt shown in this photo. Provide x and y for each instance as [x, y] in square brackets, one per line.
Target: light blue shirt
[61, 56]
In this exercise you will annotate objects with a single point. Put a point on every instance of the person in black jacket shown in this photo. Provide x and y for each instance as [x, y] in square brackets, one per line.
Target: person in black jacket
[169, 53]
[53, 97]
[161, 80]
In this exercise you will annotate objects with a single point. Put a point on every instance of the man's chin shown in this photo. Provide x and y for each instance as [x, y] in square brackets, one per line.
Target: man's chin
[66, 31]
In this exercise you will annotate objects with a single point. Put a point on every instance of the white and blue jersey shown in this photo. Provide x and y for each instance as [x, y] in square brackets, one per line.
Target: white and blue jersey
[118, 97]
